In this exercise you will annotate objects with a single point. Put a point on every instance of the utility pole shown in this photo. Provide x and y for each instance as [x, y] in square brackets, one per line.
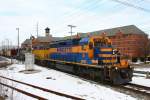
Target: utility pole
[71, 26]
[2, 45]
[31, 43]
[7, 41]
[18, 40]
[37, 29]
[10, 44]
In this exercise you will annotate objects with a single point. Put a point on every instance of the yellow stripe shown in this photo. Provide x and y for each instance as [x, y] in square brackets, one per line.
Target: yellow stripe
[106, 55]
[41, 54]
[75, 49]
[86, 65]
[106, 49]
[52, 50]
[109, 61]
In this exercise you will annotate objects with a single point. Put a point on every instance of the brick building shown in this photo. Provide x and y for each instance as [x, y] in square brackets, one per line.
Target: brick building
[129, 40]
[40, 41]
[26, 44]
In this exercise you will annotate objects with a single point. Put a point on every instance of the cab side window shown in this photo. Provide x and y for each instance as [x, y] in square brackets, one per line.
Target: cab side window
[83, 47]
[90, 45]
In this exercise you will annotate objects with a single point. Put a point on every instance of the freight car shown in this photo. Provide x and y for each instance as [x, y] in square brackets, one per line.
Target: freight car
[9, 52]
[91, 56]
[14, 53]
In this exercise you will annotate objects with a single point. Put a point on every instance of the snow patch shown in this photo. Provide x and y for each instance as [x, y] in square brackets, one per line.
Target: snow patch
[59, 81]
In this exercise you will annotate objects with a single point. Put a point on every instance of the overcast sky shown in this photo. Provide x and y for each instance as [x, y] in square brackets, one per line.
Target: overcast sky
[87, 15]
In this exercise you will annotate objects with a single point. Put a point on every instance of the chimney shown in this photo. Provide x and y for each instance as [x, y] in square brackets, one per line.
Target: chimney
[47, 31]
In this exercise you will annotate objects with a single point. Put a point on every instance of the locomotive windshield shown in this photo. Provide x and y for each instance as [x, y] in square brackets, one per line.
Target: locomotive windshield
[98, 42]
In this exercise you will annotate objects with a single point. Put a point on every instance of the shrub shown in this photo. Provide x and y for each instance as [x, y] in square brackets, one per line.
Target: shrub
[134, 59]
[142, 59]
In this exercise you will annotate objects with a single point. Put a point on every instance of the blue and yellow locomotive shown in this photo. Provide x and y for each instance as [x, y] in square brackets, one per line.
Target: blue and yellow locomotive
[93, 56]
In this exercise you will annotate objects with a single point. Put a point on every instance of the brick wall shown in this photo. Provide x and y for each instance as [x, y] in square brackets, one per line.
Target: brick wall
[131, 45]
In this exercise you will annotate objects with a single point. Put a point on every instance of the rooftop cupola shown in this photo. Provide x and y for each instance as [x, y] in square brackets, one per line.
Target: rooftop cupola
[47, 32]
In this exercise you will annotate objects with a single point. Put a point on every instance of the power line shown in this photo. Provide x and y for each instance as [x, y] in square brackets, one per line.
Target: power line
[132, 5]
[86, 6]
[78, 13]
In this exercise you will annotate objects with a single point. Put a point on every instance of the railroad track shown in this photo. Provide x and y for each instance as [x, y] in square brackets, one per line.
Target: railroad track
[141, 72]
[37, 87]
[134, 88]
[140, 89]
[24, 92]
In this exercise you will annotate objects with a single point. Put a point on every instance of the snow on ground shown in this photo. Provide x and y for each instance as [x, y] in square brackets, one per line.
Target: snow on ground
[141, 78]
[139, 75]
[138, 62]
[62, 82]
[141, 81]
[143, 69]
[4, 60]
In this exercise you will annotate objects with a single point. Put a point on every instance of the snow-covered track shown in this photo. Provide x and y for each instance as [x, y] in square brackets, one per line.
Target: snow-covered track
[141, 72]
[24, 92]
[44, 89]
[140, 89]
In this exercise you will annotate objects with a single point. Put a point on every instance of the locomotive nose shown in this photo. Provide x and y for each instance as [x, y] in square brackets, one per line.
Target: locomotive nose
[124, 74]
[105, 56]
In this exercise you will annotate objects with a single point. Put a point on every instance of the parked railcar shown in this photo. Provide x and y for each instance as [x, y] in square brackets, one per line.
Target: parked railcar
[93, 56]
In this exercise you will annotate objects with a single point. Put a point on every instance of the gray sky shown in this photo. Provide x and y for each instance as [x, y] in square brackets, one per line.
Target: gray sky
[87, 15]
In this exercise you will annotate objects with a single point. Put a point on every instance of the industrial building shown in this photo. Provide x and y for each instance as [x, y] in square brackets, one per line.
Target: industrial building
[129, 40]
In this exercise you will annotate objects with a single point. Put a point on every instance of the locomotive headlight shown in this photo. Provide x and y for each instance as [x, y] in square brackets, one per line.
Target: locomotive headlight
[116, 68]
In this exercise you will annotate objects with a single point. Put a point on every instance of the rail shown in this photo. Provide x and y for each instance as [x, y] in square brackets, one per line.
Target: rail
[141, 86]
[144, 90]
[141, 72]
[44, 89]
[24, 92]
[147, 73]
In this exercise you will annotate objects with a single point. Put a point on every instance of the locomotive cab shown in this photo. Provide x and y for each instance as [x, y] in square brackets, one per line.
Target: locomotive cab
[103, 51]
[116, 68]
[100, 50]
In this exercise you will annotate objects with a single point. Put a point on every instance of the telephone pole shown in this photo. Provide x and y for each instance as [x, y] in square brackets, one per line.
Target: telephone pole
[2, 45]
[31, 42]
[37, 29]
[71, 26]
[7, 41]
[18, 39]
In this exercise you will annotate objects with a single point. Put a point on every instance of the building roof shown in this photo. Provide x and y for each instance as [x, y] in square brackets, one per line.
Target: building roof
[57, 38]
[48, 39]
[43, 39]
[130, 29]
[27, 41]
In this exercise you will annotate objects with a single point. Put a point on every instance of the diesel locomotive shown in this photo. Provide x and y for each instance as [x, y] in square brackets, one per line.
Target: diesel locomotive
[92, 56]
